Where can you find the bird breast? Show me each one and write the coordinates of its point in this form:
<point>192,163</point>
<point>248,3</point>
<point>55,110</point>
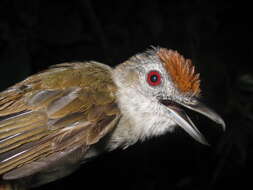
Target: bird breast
<point>142,117</point>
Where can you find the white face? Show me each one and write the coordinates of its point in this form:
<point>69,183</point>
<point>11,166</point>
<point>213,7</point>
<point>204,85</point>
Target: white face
<point>148,98</point>
<point>153,80</point>
<point>139,98</point>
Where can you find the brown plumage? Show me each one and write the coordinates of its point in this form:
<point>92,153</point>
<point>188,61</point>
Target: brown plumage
<point>56,119</point>
<point>181,71</point>
<point>54,113</point>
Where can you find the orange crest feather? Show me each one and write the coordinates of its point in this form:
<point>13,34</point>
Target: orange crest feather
<point>181,70</point>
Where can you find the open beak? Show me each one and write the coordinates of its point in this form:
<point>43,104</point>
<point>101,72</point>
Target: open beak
<point>182,119</point>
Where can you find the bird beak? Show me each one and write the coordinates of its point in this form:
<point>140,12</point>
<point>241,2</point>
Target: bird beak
<point>182,119</point>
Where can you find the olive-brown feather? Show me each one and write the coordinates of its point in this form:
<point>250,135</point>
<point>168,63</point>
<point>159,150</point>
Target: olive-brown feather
<point>68,106</point>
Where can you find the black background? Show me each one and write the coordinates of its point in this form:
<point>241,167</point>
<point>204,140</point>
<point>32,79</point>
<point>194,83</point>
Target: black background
<point>215,35</point>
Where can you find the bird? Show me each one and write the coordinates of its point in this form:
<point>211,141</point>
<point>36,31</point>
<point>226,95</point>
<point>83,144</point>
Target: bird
<point>56,119</point>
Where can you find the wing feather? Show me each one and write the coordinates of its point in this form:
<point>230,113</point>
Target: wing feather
<point>52,114</point>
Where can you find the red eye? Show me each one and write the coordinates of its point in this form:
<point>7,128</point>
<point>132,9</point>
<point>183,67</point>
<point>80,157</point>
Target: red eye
<point>154,78</point>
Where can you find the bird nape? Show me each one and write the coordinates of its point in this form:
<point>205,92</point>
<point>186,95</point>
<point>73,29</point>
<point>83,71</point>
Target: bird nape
<point>56,119</point>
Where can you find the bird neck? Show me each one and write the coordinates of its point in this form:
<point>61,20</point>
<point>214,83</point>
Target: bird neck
<point>142,117</point>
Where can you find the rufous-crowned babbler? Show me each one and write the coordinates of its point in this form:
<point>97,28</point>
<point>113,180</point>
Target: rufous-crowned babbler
<point>56,119</point>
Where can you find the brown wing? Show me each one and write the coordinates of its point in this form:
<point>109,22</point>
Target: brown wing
<point>54,113</point>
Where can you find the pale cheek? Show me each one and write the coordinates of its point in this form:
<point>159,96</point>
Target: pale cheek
<point>163,125</point>
<point>149,125</point>
<point>146,116</point>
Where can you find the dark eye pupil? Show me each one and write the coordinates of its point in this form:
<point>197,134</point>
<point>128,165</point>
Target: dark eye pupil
<point>153,78</point>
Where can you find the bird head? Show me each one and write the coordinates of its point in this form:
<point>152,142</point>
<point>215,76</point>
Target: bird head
<point>154,89</point>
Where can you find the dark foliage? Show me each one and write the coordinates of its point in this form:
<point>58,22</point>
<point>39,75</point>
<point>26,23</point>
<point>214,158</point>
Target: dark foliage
<point>215,35</point>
